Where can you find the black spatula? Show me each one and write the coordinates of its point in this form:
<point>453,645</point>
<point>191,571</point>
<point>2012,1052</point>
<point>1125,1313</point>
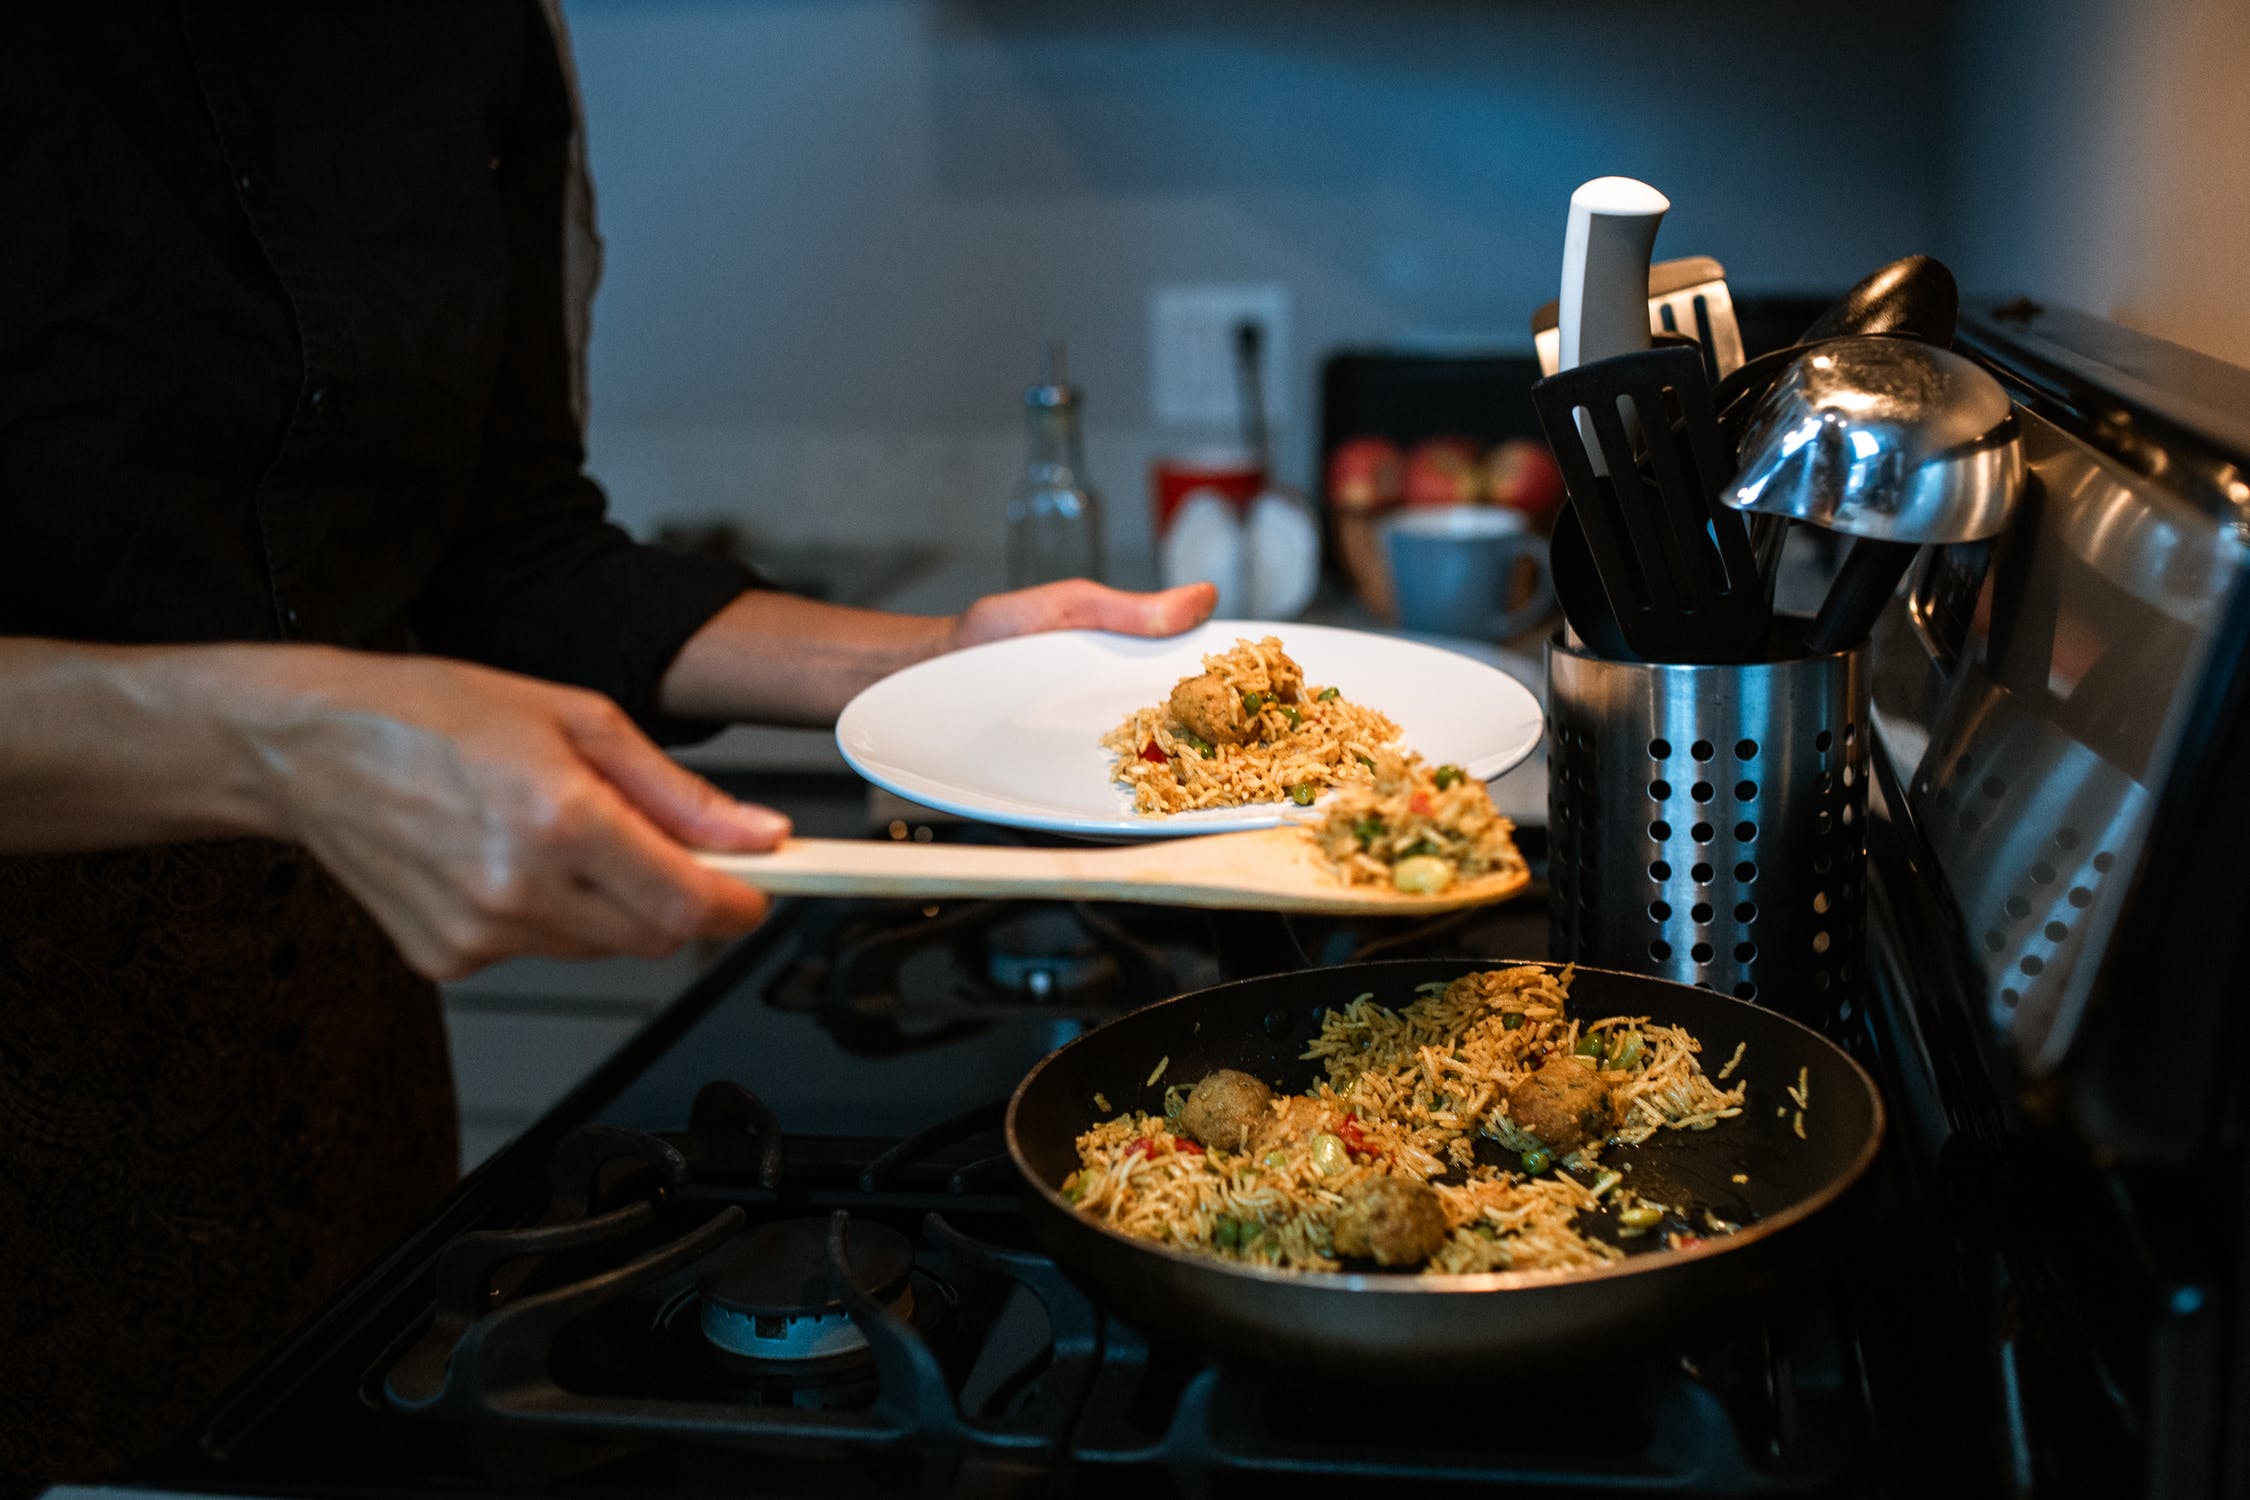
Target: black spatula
<point>1676,564</point>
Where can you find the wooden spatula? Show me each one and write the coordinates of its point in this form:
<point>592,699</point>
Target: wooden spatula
<point>1272,869</point>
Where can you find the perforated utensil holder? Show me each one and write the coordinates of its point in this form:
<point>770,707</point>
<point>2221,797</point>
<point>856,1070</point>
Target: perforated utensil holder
<point>1708,824</point>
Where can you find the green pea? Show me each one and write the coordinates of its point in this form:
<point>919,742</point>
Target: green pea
<point>1538,1161</point>
<point>1202,746</point>
<point>1275,1158</point>
<point>1295,718</point>
<point>1590,1045</point>
<point>1445,776</point>
<point>1226,1233</point>
<point>1250,1230</point>
<point>1329,1154</point>
<point>1367,831</point>
<point>1303,793</point>
<point>1511,1020</point>
<point>1417,848</point>
<point>1251,703</point>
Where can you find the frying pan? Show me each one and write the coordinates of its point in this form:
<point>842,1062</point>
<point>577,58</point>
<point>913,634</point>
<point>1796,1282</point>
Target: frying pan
<point>1414,1329</point>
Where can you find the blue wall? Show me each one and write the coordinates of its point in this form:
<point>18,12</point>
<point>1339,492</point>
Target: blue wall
<point>865,215</point>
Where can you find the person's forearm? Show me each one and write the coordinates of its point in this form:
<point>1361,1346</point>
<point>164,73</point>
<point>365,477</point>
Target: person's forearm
<point>777,659</point>
<point>105,746</point>
<point>782,660</point>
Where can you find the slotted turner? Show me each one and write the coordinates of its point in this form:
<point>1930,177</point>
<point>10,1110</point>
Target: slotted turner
<point>1677,565</point>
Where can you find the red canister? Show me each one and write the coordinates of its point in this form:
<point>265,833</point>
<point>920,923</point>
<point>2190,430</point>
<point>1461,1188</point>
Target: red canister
<point>1230,472</point>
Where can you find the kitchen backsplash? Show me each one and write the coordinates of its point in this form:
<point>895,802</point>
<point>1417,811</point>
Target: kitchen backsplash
<point>839,233</point>
<point>832,484</point>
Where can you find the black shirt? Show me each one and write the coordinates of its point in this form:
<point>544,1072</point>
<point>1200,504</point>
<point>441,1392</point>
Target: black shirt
<point>282,341</point>
<point>282,357</point>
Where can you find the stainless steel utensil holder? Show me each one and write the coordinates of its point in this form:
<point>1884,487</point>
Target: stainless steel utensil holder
<point>1708,823</point>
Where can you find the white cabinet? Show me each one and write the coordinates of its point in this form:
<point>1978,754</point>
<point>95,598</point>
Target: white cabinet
<point>523,1033</point>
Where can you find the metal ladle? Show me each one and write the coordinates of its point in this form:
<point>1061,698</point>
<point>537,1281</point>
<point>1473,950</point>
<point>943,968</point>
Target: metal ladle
<point>1889,440</point>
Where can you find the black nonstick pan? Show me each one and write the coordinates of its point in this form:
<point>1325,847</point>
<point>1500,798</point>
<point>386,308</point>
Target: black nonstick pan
<point>1405,1327</point>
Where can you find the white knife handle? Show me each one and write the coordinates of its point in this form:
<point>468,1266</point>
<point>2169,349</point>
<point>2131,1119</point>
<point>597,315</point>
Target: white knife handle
<point>1606,251</point>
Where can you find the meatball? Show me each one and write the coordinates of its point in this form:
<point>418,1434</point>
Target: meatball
<point>1396,1221</point>
<point>1229,1110</point>
<point>1565,1104</point>
<point>1207,707</point>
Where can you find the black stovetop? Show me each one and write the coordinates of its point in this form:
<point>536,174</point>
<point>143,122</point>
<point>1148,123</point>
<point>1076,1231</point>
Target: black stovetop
<point>834,1086</point>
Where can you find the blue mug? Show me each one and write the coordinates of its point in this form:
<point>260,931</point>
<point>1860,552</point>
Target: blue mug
<point>1453,570</point>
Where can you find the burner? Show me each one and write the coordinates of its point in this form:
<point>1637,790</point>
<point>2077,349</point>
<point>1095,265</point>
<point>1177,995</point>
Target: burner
<point>673,1341</point>
<point>767,1297</point>
<point>891,977</point>
<point>1045,953</point>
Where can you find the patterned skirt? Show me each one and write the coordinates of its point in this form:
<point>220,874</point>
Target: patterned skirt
<point>221,1093</point>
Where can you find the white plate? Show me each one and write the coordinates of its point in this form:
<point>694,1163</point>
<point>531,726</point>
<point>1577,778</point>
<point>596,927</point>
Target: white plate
<point>1011,732</point>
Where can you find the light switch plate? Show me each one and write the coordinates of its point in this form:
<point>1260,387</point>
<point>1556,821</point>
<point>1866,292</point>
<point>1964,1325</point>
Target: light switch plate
<point>1191,350</point>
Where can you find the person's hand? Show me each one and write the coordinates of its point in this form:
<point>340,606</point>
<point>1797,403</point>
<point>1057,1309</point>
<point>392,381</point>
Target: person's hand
<point>1082,604</point>
<point>480,815</point>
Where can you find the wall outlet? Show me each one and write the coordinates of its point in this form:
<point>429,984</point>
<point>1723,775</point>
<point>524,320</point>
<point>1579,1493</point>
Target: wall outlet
<point>1192,379</point>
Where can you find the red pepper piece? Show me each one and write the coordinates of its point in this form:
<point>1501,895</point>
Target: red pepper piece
<point>1420,803</point>
<point>1150,752</point>
<point>1354,1139</point>
<point>1142,1147</point>
<point>1187,1147</point>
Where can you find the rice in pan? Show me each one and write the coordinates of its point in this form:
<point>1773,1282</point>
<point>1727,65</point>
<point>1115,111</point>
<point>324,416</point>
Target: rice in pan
<point>1247,729</point>
<point>1460,1133</point>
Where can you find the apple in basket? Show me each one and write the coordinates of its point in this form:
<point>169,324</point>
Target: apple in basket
<point>1364,474</point>
<point>1444,471</point>
<point>1521,474</point>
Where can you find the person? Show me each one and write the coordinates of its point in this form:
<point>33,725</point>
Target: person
<point>322,675</point>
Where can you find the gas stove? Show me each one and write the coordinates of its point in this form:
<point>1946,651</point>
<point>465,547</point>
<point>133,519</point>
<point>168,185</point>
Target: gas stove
<point>773,1246</point>
<point>717,1269</point>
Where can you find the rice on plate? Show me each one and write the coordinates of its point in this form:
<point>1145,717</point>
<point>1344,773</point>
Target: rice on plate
<point>1247,729</point>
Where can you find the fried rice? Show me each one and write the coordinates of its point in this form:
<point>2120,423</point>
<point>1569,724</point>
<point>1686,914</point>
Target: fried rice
<point>1419,1092</point>
<point>1298,740</point>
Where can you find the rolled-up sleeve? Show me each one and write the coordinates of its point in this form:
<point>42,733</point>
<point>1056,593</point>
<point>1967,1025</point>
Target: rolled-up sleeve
<point>537,580</point>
